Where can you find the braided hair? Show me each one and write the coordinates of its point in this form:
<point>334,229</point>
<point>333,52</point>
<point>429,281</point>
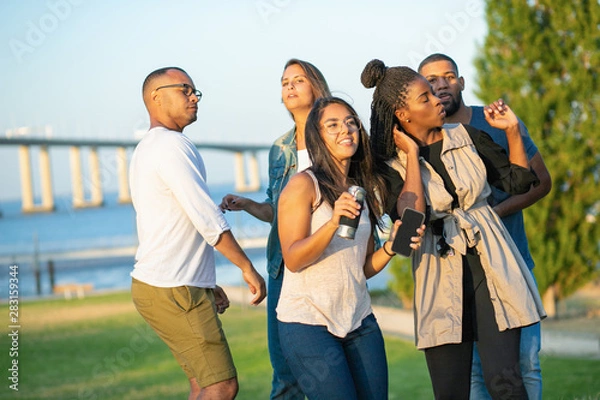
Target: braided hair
<point>391,88</point>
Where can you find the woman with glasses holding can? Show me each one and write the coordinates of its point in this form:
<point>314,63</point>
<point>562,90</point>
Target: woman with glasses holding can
<point>301,84</point>
<point>328,333</point>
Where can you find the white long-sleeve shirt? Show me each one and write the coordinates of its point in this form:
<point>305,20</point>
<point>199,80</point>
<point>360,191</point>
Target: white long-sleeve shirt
<point>177,221</point>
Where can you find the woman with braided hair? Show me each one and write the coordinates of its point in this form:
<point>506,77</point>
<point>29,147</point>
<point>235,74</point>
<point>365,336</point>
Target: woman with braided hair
<point>471,282</point>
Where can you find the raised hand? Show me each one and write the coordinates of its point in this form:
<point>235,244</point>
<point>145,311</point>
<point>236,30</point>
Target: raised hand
<point>499,115</point>
<point>403,141</point>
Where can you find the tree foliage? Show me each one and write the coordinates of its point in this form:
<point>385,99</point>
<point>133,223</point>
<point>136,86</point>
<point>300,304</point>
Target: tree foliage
<point>402,284</point>
<point>543,58</point>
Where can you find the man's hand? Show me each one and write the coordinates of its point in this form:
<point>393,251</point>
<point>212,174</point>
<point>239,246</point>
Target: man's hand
<point>499,115</point>
<point>230,248</point>
<point>256,284</point>
<point>221,299</point>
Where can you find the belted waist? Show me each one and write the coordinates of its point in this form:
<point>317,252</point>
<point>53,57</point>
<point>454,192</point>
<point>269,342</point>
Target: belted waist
<point>458,229</point>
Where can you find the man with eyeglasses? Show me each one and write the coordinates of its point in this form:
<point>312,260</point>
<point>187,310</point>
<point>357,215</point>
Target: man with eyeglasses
<point>173,280</point>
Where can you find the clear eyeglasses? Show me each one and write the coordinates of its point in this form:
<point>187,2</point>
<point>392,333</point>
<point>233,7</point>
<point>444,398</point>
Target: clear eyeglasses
<point>188,90</point>
<point>334,126</point>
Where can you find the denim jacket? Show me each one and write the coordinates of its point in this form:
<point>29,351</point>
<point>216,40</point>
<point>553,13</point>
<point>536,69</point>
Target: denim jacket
<point>283,163</point>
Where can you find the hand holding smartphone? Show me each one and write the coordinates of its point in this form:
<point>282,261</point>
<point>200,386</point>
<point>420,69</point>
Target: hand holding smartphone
<point>411,221</point>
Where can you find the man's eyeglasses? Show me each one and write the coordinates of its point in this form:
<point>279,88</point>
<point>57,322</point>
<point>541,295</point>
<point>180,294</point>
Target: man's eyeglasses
<point>334,127</point>
<point>188,90</point>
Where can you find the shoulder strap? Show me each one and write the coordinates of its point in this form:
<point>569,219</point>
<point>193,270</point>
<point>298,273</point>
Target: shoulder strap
<point>317,190</point>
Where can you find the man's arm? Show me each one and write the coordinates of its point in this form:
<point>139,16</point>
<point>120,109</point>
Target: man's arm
<point>521,201</point>
<point>230,248</point>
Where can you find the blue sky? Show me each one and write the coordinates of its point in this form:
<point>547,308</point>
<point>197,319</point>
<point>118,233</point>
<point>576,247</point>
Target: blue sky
<point>75,67</point>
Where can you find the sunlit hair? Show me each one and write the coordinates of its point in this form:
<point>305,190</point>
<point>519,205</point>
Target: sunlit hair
<point>148,85</point>
<point>391,88</point>
<point>316,79</point>
<point>438,57</point>
<point>327,171</point>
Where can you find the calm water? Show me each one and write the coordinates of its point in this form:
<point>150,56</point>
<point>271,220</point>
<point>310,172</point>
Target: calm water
<point>109,227</point>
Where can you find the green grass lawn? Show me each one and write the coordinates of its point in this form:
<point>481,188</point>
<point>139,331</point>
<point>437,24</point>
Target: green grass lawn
<point>100,348</point>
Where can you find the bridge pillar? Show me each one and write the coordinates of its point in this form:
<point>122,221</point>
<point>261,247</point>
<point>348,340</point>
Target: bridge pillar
<point>28,205</point>
<point>96,179</point>
<point>88,191</point>
<point>76,178</point>
<point>26,183</point>
<point>46,177</point>
<point>241,185</point>
<point>254,172</point>
<point>122,171</point>
<point>79,200</point>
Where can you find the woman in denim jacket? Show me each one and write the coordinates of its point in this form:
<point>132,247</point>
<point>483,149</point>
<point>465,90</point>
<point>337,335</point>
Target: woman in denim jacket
<point>301,84</point>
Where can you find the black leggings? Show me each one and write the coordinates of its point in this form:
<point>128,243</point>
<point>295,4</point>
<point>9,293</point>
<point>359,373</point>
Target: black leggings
<point>450,364</point>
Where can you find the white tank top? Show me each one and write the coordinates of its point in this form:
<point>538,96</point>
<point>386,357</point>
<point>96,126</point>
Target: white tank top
<point>331,292</point>
<point>303,160</point>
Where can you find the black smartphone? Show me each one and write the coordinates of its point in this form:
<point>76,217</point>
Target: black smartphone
<point>411,221</point>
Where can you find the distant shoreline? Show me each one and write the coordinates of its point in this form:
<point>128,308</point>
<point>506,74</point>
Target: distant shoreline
<point>109,252</point>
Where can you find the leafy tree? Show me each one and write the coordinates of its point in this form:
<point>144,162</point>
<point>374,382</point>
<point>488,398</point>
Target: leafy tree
<point>402,284</point>
<point>543,58</point>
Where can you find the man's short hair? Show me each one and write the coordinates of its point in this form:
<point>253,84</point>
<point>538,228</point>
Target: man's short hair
<point>438,57</point>
<point>155,75</point>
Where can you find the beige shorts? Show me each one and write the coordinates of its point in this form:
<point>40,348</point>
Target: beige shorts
<point>185,318</point>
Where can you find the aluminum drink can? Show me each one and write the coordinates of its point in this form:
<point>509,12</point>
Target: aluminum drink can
<point>347,228</point>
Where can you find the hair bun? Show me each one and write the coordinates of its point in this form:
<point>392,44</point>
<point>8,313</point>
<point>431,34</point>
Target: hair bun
<point>373,73</point>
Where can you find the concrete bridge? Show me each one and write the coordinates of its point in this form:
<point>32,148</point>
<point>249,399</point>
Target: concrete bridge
<point>247,177</point>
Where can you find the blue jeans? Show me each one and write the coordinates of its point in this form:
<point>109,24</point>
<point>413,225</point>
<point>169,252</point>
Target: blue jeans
<point>329,367</point>
<point>529,361</point>
<point>284,385</point>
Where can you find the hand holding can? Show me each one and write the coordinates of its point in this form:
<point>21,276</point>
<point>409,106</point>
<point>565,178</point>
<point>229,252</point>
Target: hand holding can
<point>348,226</point>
